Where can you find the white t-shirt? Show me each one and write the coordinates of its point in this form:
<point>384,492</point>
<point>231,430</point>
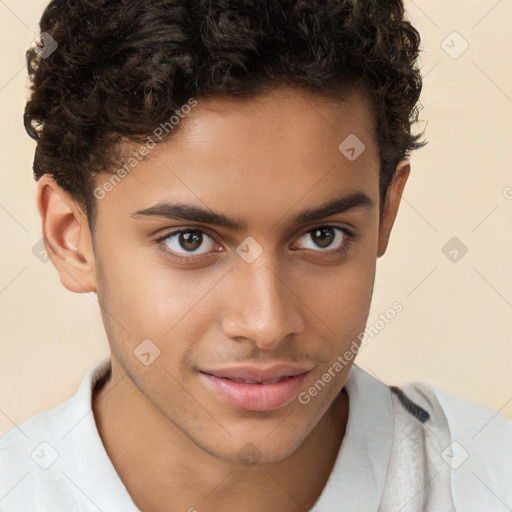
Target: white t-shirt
<point>408,449</point>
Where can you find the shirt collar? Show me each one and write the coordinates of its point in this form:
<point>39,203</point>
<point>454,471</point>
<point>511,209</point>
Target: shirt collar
<point>357,479</point>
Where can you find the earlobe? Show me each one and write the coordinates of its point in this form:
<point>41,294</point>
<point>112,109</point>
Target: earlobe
<point>66,236</point>
<point>392,202</point>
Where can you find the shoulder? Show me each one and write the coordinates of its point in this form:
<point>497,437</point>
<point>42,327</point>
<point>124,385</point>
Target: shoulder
<point>467,421</point>
<point>28,453</point>
<point>465,443</point>
<point>39,458</point>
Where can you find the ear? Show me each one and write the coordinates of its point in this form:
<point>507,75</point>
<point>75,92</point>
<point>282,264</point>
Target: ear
<point>391,204</point>
<point>67,237</point>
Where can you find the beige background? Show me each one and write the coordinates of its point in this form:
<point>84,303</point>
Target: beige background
<point>455,331</point>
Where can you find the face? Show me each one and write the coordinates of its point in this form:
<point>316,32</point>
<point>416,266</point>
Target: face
<point>199,312</point>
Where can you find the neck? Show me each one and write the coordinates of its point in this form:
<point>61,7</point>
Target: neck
<point>160,465</point>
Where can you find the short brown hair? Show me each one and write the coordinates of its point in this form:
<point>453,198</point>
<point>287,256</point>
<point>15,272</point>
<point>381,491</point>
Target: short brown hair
<point>122,67</point>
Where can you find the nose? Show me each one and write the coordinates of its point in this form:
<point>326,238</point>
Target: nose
<point>263,306</point>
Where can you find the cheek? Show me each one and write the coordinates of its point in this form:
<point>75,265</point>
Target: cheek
<point>151,299</point>
<point>341,295</point>
<point>156,300</point>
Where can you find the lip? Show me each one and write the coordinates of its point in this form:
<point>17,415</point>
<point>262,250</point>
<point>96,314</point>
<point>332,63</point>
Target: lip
<point>250,372</point>
<point>256,396</point>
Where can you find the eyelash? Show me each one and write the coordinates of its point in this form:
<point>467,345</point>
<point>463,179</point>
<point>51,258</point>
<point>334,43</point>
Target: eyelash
<point>349,238</point>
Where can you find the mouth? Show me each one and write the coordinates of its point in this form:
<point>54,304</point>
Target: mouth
<point>254,389</point>
<point>249,381</point>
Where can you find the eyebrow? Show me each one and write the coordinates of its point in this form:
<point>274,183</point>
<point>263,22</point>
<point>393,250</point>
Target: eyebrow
<point>188,212</point>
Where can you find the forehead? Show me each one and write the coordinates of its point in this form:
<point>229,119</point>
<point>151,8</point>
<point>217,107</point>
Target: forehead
<point>282,118</point>
<point>259,155</point>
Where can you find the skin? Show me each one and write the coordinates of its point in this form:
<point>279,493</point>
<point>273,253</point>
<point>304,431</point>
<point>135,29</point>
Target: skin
<point>175,444</point>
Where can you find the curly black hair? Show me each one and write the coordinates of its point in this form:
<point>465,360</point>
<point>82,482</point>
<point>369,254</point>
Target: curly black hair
<point>123,67</point>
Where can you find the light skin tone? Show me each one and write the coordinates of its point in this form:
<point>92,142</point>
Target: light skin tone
<point>174,442</point>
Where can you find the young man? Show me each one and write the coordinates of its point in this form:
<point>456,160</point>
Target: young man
<point>224,176</point>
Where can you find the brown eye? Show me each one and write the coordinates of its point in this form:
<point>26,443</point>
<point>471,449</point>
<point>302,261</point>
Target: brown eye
<point>188,242</point>
<point>326,237</point>
<point>323,236</point>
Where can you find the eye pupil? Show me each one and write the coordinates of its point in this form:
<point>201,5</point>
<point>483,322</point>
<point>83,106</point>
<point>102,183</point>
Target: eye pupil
<point>323,236</point>
<point>190,240</point>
